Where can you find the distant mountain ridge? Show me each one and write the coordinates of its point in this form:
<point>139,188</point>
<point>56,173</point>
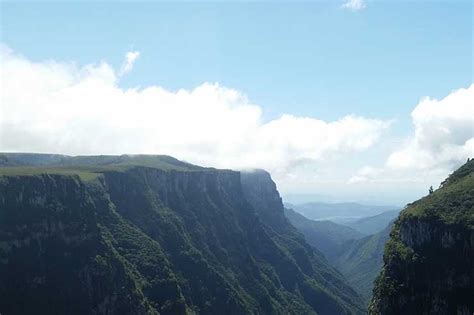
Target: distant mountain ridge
<point>373,224</point>
<point>337,212</point>
<point>326,236</point>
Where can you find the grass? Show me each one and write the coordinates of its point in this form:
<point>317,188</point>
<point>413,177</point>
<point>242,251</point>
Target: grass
<point>90,167</point>
<point>84,174</point>
<point>87,167</point>
<point>452,203</point>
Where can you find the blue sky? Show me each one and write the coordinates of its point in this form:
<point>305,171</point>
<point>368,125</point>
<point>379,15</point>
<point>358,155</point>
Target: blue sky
<point>311,59</point>
<point>306,58</point>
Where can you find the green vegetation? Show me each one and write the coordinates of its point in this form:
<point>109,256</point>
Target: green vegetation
<point>453,202</point>
<point>124,236</point>
<point>429,259</point>
<point>361,261</point>
<point>83,173</point>
<point>357,257</point>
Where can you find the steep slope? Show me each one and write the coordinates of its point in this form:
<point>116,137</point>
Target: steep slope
<point>429,259</point>
<point>325,236</point>
<point>175,240</point>
<point>360,261</point>
<point>373,224</point>
<point>322,282</point>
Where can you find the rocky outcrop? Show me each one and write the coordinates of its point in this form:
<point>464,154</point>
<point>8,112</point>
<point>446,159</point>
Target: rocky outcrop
<point>429,259</point>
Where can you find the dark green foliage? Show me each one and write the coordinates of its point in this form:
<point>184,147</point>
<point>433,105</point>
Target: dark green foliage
<point>176,239</point>
<point>429,259</point>
<point>53,258</point>
<point>361,261</point>
<point>357,257</point>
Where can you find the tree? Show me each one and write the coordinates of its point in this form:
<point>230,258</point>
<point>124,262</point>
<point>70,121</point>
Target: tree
<point>431,190</point>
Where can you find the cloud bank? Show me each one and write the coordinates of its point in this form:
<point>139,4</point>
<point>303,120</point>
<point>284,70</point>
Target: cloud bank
<point>63,108</point>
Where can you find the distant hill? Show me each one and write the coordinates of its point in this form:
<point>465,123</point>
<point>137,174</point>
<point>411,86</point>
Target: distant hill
<point>326,236</point>
<point>338,212</point>
<point>373,224</point>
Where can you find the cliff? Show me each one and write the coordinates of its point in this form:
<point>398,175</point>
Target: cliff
<point>429,258</point>
<point>154,235</point>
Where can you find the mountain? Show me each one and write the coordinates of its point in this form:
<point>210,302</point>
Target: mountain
<point>429,259</point>
<point>151,234</point>
<point>325,236</point>
<point>373,224</point>
<point>360,261</point>
<point>337,212</point>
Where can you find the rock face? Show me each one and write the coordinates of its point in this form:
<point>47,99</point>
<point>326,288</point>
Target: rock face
<point>178,239</point>
<point>53,255</point>
<point>429,259</point>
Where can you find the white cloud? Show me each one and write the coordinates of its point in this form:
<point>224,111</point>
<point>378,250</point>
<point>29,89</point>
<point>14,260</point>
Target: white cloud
<point>354,5</point>
<point>442,141</point>
<point>57,107</point>
<point>130,58</point>
<point>444,133</point>
<point>365,174</point>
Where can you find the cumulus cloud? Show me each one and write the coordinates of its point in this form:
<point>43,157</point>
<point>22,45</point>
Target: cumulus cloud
<point>443,139</point>
<point>354,5</point>
<point>365,174</point>
<point>444,133</point>
<point>62,108</point>
<point>130,58</point>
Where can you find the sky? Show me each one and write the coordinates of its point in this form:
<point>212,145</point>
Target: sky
<point>368,101</point>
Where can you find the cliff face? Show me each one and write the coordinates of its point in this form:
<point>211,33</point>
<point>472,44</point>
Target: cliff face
<point>141,240</point>
<point>429,259</point>
<point>320,284</point>
<point>53,255</point>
